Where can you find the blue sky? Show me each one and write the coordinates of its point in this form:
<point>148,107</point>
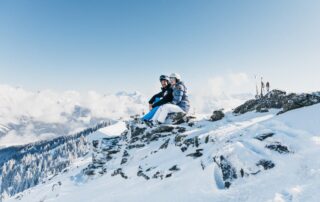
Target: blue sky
<point>115,45</point>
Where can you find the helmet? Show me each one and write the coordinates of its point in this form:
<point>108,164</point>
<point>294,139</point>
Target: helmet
<point>175,75</point>
<point>164,77</point>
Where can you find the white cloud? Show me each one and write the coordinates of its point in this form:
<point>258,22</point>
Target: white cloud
<point>222,91</point>
<point>233,83</point>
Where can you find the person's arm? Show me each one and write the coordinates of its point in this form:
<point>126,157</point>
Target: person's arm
<point>166,99</point>
<point>177,95</point>
<point>159,95</point>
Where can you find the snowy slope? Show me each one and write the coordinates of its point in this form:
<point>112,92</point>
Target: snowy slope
<point>250,157</point>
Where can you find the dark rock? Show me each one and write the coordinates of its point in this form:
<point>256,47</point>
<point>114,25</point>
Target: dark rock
<point>217,115</point>
<point>178,118</point>
<point>179,139</point>
<point>296,101</point>
<point>188,142</point>
<point>163,129</point>
<point>169,175</point>
<point>119,172</point>
<point>184,148</point>
<point>135,146</point>
<point>157,175</point>
<point>278,148</point>
<point>264,136</point>
<point>174,168</point>
<point>140,173</point>
<point>262,110</point>
<point>125,153</point>
<point>151,168</point>
<point>241,172</point>
<point>165,144</point>
<point>88,171</point>
<point>278,99</point>
<point>110,143</point>
<point>206,139</point>
<point>196,141</point>
<point>124,157</point>
<point>266,164</point>
<point>196,154</point>
<point>228,171</point>
<point>181,129</point>
<point>95,143</point>
<point>136,131</point>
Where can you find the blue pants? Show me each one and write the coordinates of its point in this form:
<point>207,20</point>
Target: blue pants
<point>151,113</point>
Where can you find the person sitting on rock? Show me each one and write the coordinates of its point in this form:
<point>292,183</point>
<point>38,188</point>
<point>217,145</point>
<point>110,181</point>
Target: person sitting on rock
<point>180,102</point>
<point>161,98</point>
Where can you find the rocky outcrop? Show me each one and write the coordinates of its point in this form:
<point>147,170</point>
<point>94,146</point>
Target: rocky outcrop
<point>217,115</point>
<point>228,171</point>
<point>277,99</point>
<point>278,147</point>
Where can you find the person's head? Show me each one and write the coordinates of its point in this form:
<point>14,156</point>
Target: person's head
<point>175,78</point>
<point>164,80</point>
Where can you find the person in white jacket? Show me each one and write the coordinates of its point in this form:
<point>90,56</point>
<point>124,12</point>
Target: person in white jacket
<point>179,104</point>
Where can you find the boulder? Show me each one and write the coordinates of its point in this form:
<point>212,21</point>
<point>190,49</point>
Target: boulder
<point>217,115</point>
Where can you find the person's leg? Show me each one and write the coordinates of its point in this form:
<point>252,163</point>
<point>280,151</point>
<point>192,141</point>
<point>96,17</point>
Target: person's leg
<point>151,113</point>
<point>165,110</point>
<point>156,115</point>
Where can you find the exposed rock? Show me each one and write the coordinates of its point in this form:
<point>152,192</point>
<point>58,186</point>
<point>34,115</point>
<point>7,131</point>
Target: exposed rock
<point>266,164</point>
<point>178,118</point>
<point>165,144</point>
<point>135,146</point>
<point>174,168</point>
<point>119,172</point>
<point>95,143</point>
<point>264,136</point>
<point>278,99</point>
<point>189,141</point>
<point>278,147</point>
<point>262,110</point>
<point>207,139</point>
<point>88,171</point>
<point>163,129</point>
<point>124,157</point>
<point>151,168</point>
<point>295,101</point>
<point>136,131</point>
<point>140,173</point>
<point>169,175</point>
<point>217,115</point>
<point>196,154</point>
<point>158,175</point>
<point>179,139</point>
<point>184,148</point>
<point>180,129</point>
<point>228,171</point>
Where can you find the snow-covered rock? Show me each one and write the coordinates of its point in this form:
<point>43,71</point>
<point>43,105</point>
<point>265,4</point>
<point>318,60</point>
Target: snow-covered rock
<point>279,100</point>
